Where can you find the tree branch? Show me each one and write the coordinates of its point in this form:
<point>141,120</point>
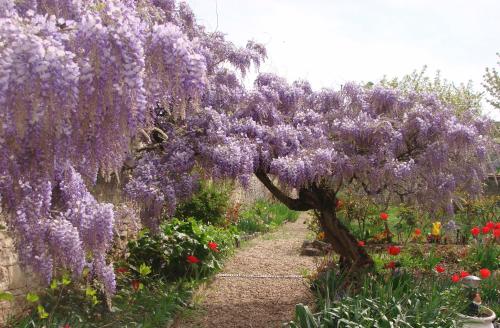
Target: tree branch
<point>291,203</point>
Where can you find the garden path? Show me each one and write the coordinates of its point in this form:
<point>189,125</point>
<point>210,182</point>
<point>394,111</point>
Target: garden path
<point>246,301</point>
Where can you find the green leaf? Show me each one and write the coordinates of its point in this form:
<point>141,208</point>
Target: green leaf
<point>41,312</point>
<point>89,291</point>
<point>53,284</point>
<point>65,280</point>
<point>32,298</point>
<point>144,269</point>
<point>6,296</point>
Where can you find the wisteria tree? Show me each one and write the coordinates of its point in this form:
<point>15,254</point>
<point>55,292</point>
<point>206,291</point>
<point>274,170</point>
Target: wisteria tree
<point>78,80</point>
<point>387,143</point>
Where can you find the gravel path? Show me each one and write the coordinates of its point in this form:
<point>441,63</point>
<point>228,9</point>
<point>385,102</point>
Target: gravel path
<point>234,302</point>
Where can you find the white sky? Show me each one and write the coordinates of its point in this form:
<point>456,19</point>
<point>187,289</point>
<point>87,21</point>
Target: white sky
<point>331,42</point>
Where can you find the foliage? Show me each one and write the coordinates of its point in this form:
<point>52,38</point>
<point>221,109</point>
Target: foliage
<point>152,306</point>
<point>483,256</point>
<point>208,205</point>
<point>166,252</point>
<point>470,212</point>
<point>492,85</point>
<point>384,301</point>
<point>264,216</point>
<point>461,97</point>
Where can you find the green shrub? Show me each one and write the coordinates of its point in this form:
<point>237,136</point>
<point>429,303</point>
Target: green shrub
<point>167,252</point>
<point>264,216</point>
<point>208,205</point>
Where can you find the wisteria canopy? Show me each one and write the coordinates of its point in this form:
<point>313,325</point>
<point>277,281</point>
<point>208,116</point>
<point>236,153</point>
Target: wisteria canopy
<point>79,79</point>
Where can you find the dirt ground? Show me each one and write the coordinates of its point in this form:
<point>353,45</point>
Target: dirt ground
<point>249,301</point>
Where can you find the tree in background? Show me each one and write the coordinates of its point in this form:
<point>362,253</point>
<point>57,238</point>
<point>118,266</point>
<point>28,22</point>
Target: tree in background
<point>492,85</point>
<point>461,97</point>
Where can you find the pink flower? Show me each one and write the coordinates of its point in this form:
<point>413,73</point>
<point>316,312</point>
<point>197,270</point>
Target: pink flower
<point>193,259</point>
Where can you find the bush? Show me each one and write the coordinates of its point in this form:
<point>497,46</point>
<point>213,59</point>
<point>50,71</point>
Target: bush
<point>167,252</point>
<point>264,216</point>
<point>208,205</point>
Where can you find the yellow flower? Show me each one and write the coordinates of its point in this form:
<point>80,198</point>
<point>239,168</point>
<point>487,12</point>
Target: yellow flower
<point>436,228</point>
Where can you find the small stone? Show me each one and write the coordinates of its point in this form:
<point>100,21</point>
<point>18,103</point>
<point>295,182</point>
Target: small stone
<point>311,251</point>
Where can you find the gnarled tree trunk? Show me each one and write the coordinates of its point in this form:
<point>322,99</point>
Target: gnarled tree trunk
<point>323,200</point>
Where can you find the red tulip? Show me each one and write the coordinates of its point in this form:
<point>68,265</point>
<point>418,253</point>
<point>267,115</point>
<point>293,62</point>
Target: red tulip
<point>393,250</point>
<point>440,269</point>
<point>464,274</point>
<point>474,231</point>
<point>384,216</point>
<point>121,270</point>
<point>496,233</point>
<point>455,278</point>
<point>136,284</point>
<point>361,243</point>
<point>193,259</point>
<point>485,273</point>
<point>485,230</point>
<point>67,325</point>
<point>490,225</point>
<point>497,226</point>
<point>418,232</point>
<point>213,246</point>
<point>390,265</point>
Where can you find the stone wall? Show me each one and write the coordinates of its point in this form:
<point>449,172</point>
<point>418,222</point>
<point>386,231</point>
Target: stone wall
<point>13,279</point>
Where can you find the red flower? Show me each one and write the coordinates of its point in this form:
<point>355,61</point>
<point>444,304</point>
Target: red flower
<point>67,325</point>
<point>384,216</point>
<point>391,265</point>
<point>439,269</point>
<point>474,231</point>
<point>485,230</point>
<point>455,278</point>
<point>361,243</point>
<point>213,246</point>
<point>490,225</point>
<point>497,226</point>
<point>464,274</point>
<point>136,284</point>
<point>193,259</point>
<point>418,232</point>
<point>393,250</point>
<point>496,233</point>
<point>485,273</point>
<point>121,270</point>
